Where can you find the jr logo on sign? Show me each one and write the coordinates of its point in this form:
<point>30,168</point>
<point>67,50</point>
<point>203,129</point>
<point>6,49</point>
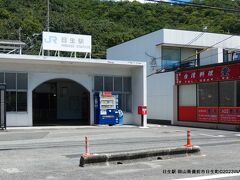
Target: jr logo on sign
<point>51,39</point>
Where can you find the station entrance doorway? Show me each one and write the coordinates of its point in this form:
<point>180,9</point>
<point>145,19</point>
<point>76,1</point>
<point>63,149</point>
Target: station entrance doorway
<point>61,102</point>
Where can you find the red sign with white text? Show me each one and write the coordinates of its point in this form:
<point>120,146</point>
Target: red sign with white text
<point>107,93</point>
<point>207,75</point>
<point>217,73</point>
<point>228,72</point>
<point>186,77</point>
<point>207,114</point>
<point>229,115</point>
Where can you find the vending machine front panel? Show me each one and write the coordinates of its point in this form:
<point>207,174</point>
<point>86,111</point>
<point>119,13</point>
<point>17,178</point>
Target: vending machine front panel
<point>107,110</point>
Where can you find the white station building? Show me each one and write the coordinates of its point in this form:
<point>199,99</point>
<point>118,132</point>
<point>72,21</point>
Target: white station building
<point>165,51</point>
<point>53,90</point>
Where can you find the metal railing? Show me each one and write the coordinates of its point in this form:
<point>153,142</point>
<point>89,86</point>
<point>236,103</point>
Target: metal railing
<point>171,65</point>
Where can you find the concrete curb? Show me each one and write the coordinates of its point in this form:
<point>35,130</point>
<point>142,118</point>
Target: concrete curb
<point>14,129</point>
<point>101,158</point>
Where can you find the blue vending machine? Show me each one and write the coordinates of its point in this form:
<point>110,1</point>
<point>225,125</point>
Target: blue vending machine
<point>106,108</point>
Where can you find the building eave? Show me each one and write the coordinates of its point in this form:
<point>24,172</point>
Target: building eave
<point>34,59</point>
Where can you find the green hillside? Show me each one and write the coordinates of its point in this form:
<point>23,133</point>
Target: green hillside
<point>110,23</point>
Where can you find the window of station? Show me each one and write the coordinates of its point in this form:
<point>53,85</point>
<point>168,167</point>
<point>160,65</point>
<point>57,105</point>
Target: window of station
<point>108,83</point>
<point>16,91</point>
<point>225,55</point>
<point>119,85</point>
<point>187,95</point>
<point>208,94</point>
<point>227,93</point>
<point>127,84</point>
<point>188,54</point>
<point>236,56</point>
<point>187,103</point>
<point>171,56</point>
<point>98,83</point>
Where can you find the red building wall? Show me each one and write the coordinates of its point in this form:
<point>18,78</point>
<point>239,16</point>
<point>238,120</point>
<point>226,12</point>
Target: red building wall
<point>215,73</point>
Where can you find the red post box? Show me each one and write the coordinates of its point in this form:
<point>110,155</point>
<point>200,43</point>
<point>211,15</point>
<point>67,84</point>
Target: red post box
<point>142,110</point>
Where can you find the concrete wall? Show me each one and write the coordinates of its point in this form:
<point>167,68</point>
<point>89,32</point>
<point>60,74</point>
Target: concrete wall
<point>160,96</point>
<point>139,87</point>
<point>37,74</point>
<point>139,49</point>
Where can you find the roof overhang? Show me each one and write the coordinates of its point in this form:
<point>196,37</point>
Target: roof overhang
<point>182,45</point>
<point>52,60</point>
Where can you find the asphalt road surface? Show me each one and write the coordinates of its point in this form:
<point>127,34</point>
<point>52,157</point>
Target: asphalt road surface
<point>30,153</point>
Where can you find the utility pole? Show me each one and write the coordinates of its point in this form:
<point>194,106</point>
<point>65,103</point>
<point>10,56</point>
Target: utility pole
<point>48,52</point>
<point>19,33</point>
<point>48,15</point>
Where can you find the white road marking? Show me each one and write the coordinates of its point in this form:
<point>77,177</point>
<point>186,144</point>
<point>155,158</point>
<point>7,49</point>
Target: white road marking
<point>180,131</point>
<point>209,135</point>
<point>237,134</point>
<point>123,171</point>
<point>11,170</point>
<point>51,177</point>
<point>217,176</point>
<point>154,125</point>
<point>152,164</point>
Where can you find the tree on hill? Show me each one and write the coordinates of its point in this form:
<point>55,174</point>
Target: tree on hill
<point>110,23</point>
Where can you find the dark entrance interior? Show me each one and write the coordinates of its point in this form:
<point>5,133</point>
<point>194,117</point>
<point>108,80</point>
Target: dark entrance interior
<point>61,102</point>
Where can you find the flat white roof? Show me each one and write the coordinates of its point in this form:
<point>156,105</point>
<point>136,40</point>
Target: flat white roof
<point>34,59</point>
<point>185,38</point>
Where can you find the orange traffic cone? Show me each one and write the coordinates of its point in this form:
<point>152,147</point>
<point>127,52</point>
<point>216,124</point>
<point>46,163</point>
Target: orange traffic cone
<point>189,142</point>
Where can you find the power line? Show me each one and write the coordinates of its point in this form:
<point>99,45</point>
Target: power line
<point>183,3</point>
<point>196,38</point>
<point>161,57</point>
<point>163,70</point>
<point>206,57</point>
<point>208,47</point>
